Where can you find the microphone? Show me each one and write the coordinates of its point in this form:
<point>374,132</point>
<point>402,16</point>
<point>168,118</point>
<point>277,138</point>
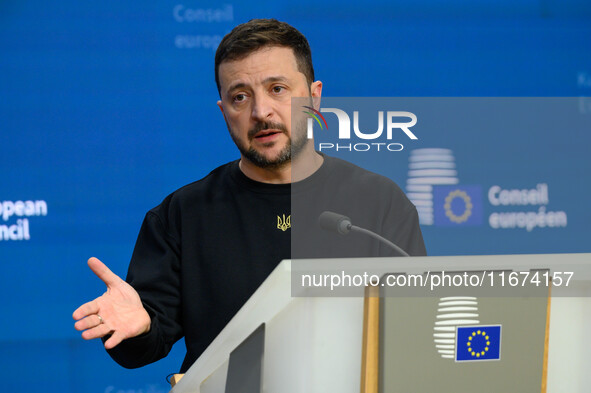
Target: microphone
<point>335,222</point>
<point>341,224</point>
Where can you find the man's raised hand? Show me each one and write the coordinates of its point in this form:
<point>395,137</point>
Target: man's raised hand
<point>119,311</point>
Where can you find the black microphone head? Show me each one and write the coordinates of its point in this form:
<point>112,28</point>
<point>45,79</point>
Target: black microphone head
<point>334,222</point>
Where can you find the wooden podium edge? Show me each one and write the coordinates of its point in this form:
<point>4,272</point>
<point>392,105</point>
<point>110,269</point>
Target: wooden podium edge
<point>546,342</point>
<point>175,379</point>
<point>370,342</point>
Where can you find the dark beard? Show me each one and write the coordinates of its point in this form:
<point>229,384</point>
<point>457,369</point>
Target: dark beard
<point>291,149</point>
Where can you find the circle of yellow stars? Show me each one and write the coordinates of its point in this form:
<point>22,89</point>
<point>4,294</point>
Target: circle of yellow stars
<point>478,353</point>
<point>467,203</point>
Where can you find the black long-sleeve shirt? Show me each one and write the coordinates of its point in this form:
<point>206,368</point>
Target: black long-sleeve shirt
<point>208,246</point>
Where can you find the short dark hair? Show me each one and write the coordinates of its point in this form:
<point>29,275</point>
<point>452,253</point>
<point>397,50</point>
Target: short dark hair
<point>259,33</point>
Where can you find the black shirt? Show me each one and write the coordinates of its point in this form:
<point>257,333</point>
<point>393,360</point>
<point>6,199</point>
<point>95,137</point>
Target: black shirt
<point>208,246</point>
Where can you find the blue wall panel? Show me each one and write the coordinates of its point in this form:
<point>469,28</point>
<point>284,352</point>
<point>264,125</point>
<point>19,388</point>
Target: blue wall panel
<point>107,107</point>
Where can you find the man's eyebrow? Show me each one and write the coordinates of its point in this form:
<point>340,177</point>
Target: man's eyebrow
<point>238,85</point>
<point>272,79</point>
<point>267,80</point>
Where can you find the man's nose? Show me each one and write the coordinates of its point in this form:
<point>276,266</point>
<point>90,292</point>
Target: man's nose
<point>262,108</point>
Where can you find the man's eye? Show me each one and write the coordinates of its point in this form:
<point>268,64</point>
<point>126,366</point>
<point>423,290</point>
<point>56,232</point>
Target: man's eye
<point>278,89</point>
<point>239,97</point>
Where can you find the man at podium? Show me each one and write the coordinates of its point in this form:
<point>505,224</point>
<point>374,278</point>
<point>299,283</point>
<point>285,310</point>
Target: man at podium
<point>208,246</point>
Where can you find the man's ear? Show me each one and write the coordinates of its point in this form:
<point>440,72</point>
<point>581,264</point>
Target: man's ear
<point>316,93</point>
<point>220,106</point>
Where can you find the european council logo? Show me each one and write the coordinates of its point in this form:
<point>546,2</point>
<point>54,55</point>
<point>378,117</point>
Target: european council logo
<point>457,205</point>
<point>477,343</point>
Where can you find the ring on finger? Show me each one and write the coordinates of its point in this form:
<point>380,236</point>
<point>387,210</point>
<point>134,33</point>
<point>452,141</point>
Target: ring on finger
<point>100,319</point>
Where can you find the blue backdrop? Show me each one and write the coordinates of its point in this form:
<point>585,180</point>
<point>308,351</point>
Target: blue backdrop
<point>107,107</point>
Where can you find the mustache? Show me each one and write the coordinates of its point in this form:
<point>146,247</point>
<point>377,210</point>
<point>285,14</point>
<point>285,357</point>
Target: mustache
<point>266,125</point>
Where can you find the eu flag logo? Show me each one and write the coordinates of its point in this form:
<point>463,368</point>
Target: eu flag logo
<point>457,205</point>
<point>476,343</point>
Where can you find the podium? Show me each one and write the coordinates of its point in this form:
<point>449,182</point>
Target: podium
<point>317,339</point>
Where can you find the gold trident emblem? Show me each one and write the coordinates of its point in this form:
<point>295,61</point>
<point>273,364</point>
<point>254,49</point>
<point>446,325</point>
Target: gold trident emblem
<point>284,224</point>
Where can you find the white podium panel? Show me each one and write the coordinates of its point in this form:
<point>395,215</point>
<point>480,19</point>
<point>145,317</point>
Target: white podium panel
<point>314,344</point>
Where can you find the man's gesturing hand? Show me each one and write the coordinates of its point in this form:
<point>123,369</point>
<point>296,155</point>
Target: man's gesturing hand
<point>118,312</point>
